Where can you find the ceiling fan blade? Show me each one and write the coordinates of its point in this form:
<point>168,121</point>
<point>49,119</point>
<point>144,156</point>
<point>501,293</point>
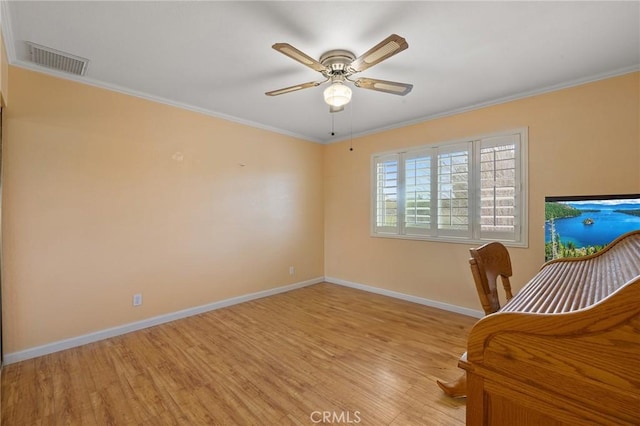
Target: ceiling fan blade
<point>381,51</point>
<point>293,88</point>
<point>384,86</point>
<point>303,58</point>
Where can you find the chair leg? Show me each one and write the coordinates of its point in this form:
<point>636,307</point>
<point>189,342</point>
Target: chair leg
<point>455,389</point>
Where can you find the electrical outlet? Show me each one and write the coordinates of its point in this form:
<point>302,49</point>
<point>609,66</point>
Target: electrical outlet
<point>137,299</point>
<point>292,270</point>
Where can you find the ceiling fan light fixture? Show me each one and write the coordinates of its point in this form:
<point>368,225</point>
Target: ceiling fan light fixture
<point>337,94</point>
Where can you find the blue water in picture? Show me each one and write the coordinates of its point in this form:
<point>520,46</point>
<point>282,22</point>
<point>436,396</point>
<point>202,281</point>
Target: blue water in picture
<point>607,224</point>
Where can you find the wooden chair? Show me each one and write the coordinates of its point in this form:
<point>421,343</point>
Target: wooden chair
<point>488,262</point>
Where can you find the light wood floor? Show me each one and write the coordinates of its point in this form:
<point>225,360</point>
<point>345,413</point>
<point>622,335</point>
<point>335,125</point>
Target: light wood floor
<point>369,359</point>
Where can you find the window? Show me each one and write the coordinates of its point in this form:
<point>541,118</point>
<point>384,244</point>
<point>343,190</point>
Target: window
<point>466,191</point>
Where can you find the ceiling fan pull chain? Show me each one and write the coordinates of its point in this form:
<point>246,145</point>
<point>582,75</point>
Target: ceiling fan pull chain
<point>333,132</point>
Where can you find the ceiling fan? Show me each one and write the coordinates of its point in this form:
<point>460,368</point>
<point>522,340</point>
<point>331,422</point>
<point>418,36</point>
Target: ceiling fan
<point>339,65</point>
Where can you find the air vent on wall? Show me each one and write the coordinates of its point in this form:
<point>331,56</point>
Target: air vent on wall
<point>57,60</point>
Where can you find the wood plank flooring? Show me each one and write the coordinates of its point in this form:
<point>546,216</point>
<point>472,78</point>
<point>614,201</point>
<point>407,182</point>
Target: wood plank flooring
<point>323,354</point>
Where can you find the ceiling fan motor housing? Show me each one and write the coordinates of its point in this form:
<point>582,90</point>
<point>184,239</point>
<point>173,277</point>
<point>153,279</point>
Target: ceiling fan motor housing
<point>337,63</point>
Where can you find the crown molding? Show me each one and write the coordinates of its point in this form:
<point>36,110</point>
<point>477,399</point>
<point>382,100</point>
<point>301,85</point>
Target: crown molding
<point>5,27</point>
<point>7,33</point>
<point>158,99</point>
<point>498,101</point>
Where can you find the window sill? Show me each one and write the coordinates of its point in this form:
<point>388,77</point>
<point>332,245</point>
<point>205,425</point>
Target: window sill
<point>508,243</point>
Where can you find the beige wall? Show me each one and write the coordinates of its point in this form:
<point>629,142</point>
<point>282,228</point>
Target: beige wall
<point>108,195</point>
<point>582,140</point>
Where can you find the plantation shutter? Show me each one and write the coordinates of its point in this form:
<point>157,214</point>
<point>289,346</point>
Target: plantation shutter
<point>499,192</point>
<point>417,199</point>
<point>469,190</point>
<point>386,181</point>
<point>453,174</point>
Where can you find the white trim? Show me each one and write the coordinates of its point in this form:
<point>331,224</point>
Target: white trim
<point>95,83</point>
<point>449,239</point>
<point>73,342</point>
<point>115,88</point>
<point>7,33</point>
<point>493,102</point>
<point>13,357</point>
<point>407,297</point>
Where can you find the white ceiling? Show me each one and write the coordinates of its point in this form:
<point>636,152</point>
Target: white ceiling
<point>216,57</point>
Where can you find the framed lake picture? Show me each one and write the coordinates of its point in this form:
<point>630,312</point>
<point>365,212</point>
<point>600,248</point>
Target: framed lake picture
<point>581,225</point>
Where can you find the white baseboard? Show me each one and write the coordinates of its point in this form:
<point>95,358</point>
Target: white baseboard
<point>407,297</point>
<point>13,357</point>
<point>73,342</point>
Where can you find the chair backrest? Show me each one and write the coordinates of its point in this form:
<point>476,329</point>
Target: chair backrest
<point>488,262</point>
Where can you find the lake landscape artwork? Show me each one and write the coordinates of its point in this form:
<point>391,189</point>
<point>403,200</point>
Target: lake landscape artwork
<point>579,226</point>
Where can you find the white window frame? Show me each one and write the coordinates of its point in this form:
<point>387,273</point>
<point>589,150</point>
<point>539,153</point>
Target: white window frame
<point>517,238</point>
